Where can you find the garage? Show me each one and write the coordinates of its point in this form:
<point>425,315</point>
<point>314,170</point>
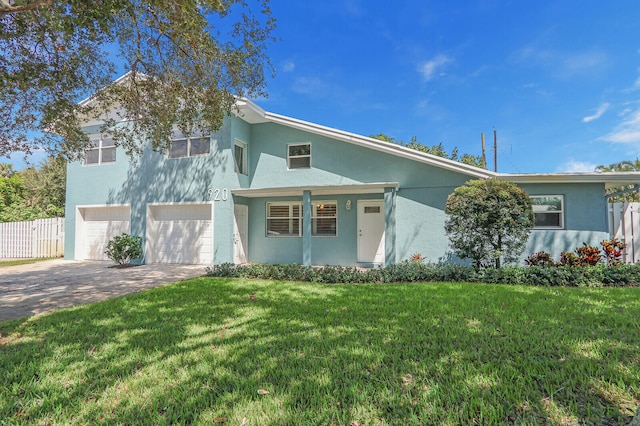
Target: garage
<point>179,233</point>
<point>96,225</point>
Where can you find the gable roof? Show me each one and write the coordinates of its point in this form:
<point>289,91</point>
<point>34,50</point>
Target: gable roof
<point>253,114</point>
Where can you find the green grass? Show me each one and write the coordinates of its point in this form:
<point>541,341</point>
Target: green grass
<point>25,261</point>
<point>204,351</point>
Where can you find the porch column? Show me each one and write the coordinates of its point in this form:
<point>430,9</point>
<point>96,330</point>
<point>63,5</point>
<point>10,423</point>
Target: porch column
<point>306,228</point>
<point>390,226</point>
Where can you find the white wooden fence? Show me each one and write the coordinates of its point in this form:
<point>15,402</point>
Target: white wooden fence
<point>37,238</point>
<point>624,224</point>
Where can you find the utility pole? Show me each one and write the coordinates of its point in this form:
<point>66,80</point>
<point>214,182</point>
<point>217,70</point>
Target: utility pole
<point>495,151</point>
<point>484,154</point>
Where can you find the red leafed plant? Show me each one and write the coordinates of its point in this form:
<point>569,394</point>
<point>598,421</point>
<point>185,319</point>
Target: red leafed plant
<point>588,255</point>
<point>613,251</point>
<point>417,257</point>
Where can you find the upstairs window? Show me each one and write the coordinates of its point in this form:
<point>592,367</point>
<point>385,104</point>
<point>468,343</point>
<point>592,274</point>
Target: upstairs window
<point>240,157</point>
<point>299,156</point>
<point>548,211</point>
<point>103,150</point>
<point>182,146</point>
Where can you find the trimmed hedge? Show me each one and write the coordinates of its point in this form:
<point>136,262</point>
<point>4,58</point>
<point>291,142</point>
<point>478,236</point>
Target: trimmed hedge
<point>412,271</point>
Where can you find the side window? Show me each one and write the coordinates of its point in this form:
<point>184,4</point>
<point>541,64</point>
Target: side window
<point>548,211</point>
<point>103,150</point>
<point>182,146</point>
<point>240,157</point>
<point>299,156</point>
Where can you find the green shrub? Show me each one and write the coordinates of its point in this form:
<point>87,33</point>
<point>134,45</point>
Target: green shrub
<point>600,275</point>
<point>123,248</point>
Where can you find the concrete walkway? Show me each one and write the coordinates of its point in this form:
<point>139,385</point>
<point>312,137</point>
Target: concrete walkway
<point>45,286</point>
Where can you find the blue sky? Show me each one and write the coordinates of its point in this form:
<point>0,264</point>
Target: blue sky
<point>558,80</point>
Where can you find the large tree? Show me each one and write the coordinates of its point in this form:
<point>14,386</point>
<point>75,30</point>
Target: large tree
<point>488,221</point>
<point>188,62</point>
<point>33,193</point>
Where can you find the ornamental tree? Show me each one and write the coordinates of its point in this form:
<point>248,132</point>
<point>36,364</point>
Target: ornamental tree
<point>188,62</point>
<point>488,221</point>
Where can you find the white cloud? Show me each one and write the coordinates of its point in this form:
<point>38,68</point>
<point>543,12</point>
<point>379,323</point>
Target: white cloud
<point>573,166</point>
<point>628,131</point>
<point>563,64</point>
<point>429,68</point>
<point>288,66</point>
<point>309,86</point>
<point>599,113</point>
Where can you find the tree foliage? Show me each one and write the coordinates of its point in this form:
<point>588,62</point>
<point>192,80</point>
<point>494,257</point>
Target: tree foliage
<point>625,193</point>
<point>33,193</point>
<point>438,150</point>
<point>188,60</point>
<point>488,221</point>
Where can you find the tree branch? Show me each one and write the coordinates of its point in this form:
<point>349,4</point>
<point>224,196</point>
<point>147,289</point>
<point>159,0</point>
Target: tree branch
<point>6,7</point>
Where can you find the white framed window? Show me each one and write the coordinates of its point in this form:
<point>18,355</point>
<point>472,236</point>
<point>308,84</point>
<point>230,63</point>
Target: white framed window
<point>240,157</point>
<point>548,211</point>
<point>324,219</point>
<point>182,146</point>
<point>299,156</point>
<point>284,219</point>
<point>103,150</point>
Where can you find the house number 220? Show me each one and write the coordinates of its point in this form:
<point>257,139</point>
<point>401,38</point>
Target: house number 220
<point>219,194</point>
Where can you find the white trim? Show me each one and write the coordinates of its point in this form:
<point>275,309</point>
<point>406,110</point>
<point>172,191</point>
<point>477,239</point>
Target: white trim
<point>608,178</point>
<point>316,190</point>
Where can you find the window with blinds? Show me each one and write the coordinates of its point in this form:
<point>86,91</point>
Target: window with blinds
<point>284,219</point>
<point>324,220</point>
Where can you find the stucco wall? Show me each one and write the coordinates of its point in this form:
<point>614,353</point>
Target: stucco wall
<point>419,203</point>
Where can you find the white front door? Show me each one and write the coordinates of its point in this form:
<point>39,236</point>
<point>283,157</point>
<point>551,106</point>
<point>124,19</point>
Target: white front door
<point>240,232</point>
<point>371,226</point>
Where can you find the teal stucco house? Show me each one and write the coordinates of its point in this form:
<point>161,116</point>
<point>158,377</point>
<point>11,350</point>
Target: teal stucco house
<point>274,189</point>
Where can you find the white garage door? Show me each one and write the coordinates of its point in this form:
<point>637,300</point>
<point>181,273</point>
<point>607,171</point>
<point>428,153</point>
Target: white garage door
<point>96,226</point>
<point>179,233</point>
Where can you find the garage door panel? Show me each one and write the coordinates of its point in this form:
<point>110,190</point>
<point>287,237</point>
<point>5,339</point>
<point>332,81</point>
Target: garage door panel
<point>180,234</point>
<point>98,226</point>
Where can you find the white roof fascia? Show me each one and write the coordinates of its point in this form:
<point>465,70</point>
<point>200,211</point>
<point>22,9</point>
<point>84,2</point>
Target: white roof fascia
<point>608,178</point>
<point>316,190</point>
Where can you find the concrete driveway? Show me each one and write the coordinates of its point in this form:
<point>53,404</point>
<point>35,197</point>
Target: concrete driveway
<point>40,287</point>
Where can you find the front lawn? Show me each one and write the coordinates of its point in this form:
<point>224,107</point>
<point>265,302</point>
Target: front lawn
<point>250,352</point>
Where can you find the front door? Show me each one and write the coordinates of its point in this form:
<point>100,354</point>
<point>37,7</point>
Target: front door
<point>240,232</point>
<point>371,226</point>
